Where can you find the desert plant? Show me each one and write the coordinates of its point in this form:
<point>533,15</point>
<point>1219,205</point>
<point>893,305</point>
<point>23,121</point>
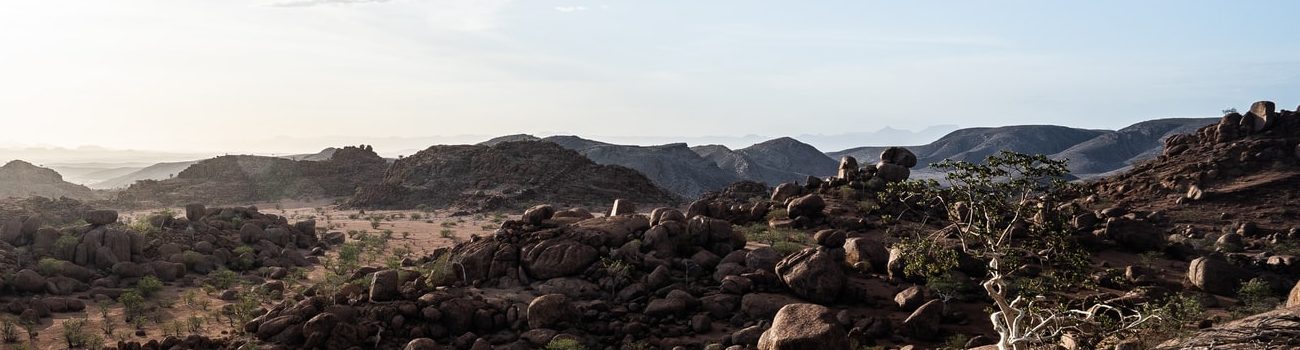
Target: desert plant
<point>49,266</point>
<point>777,214</point>
<point>1006,213</point>
<point>74,333</point>
<point>565,344</point>
<point>66,242</point>
<point>8,330</point>
<point>1255,296</point>
<point>223,279</point>
<point>447,233</point>
<point>440,271</point>
<point>1176,317</point>
<point>148,286</point>
<point>132,304</point>
<point>107,325</point>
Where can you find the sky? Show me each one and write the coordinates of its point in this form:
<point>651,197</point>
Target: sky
<point>299,75</point>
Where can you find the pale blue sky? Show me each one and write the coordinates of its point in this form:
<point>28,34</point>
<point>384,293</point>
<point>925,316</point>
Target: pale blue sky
<point>234,75</point>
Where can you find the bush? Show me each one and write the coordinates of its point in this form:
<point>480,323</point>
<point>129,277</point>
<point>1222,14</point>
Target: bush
<point>1255,296</point>
<point>8,330</point>
<point>778,214</point>
<point>49,266</point>
<point>66,243</point>
<point>149,286</point>
<point>223,278</point>
<point>447,233</point>
<point>565,344</point>
<point>132,304</point>
<point>74,333</point>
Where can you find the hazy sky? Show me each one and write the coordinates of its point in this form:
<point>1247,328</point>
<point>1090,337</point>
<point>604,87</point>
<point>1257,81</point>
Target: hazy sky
<point>235,75</point>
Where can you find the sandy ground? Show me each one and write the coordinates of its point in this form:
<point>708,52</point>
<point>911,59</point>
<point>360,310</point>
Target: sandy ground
<point>419,232</point>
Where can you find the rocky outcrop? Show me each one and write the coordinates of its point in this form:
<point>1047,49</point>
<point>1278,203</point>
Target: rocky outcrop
<point>247,179</point>
<point>804,327</point>
<point>503,175</point>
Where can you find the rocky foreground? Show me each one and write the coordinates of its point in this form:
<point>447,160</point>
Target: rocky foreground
<point>1198,237</point>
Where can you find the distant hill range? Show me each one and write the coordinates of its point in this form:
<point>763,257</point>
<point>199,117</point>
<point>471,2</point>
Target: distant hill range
<point>21,179</point>
<point>685,171</point>
<point>1092,153</point>
<point>505,174</point>
<point>691,171</point>
<point>246,178</point>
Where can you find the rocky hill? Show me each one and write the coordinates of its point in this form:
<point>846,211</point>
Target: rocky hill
<point>1092,153</point>
<point>246,179</point>
<point>672,166</point>
<point>22,179</point>
<point>772,162</point>
<point>1118,150</point>
<point>505,175</point>
<point>1244,161</point>
<point>160,171</point>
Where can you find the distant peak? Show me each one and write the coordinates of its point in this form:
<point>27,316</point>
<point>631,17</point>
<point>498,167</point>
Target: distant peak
<point>19,163</point>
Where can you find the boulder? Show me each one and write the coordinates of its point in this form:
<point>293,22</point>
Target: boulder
<point>195,212</point>
<point>385,285</point>
<point>1293,299</point>
<point>829,238</point>
<point>764,305</point>
<point>127,269</point>
<point>549,311</point>
<point>892,172</point>
<point>804,327</point>
<point>897,156</point>
<point>557,258</point>
<point>27,280</point>
<point>813,274</point>
<point>11,231</point>
<point>859,251</point>
<point>1215,275</point>
<point>422,344</point>
<point>251,233</point>
<point>101,217</point>
<point>909,299</point>
<point>1262,116</point>
<point>762,258</point>
<point>665,307</point>
<point>622,207</point>
<point>923,324</point>
<point>848,168</point>
<point>786,191</point>
<point>809,206</point>
<point>538,213</point>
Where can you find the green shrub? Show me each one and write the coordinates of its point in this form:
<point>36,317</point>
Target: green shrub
<point>149,286</point>
<point>66,243</point>
<point>1255,296</point>
<point>49,266</point>
<point>74,333</point>
<point>565,344</point>
<point>223,279</point>
<point>447,233</point>
<point>778,214</point>
<point>132,304</point>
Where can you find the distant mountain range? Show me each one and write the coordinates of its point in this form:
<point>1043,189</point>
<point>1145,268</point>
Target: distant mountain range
<point>1091,153</point>
<point>691,171</point>
<point>676,167</point>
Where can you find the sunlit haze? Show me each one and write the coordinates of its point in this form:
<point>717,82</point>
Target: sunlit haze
<point>300,75</point>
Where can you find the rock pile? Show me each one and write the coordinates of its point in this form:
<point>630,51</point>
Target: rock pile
<point>103,257</point>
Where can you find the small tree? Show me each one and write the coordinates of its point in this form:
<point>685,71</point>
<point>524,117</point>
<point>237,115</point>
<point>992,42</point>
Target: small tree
<point>1007,212</point>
